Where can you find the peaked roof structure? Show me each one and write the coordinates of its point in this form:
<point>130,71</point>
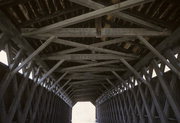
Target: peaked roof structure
<point>83,46</point>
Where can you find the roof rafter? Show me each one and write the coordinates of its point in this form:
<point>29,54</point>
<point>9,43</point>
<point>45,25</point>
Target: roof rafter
<point>94,5</point>
<point>91,15</point>
<point>53,15</point>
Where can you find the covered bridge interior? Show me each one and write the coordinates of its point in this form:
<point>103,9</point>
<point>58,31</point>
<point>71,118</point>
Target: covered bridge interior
<point>122,55</point>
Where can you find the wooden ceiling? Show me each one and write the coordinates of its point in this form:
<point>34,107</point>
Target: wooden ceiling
<point>91,37</point>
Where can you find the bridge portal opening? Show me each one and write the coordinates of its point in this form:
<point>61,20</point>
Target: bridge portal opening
<point>83,112</point>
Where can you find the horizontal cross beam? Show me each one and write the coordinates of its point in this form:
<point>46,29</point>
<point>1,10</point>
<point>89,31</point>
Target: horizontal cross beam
<point>91,65</point>
<point>85,89</point>
<point>86,82</point>
<point>85,94</point>
<point>93,69</point>
<point>88,77</point>
<point>74,57</point>
<point>105,32</point>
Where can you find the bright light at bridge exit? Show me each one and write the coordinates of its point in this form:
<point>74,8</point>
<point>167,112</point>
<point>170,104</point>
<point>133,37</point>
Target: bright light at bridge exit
<point>83,112</point>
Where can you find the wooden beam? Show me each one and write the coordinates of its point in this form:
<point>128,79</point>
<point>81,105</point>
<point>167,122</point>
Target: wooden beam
<point>3,40</point>
<point>67,88</point>
<point>158,54</point>
<point>171,98</point>
<point>89,47</point>
<point>98,77</point>
<point>85,94</point>
<point>8,28</point>
<point>110,83</point>
<point>35,53</point>
<point>87,74</point>
<point>116,74</point>
<point>67,82</point>
<point>91,65</point>
<point>105,32</point>
<point>98,25</point>
<point>91,15</point>
<point>84,61</point>
<point>90,90</point>
<point>121,15</point>
<point>61,88</point>
<point>104,86</point>
<point>50,71</point>
<point>50,16</point>
<point>85,99</point>
<point>10,3</point>
<point>92,93</point>
<point>8,50</point>
<point>56,82</point>
<point>93,69</point>
<point>88,82</point>
<point>74,57</point>
<point>85,89</point>
<point>168,42</point>
<point>99,44</point>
